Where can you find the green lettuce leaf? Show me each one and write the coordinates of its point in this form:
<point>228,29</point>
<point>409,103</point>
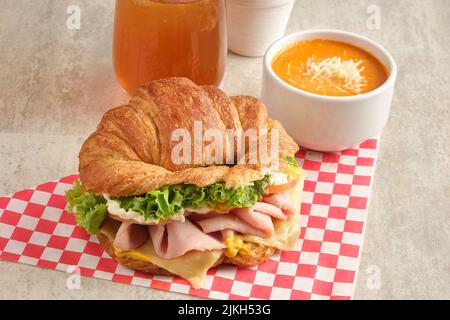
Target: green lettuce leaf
<point>161,204</point>
<point>156,205</point>
<point>291,162</point>
<point>90,210</point>
<point>169,200</point>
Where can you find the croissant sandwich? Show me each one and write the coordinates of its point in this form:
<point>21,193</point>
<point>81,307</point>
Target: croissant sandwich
<point>176,182</point>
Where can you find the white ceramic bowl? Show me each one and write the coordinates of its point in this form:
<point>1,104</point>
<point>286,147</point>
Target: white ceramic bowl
<point>328,123</point>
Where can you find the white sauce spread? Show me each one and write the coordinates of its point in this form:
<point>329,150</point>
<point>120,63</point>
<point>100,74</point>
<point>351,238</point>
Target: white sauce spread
<point>115,209</point>
<point>276,177</point>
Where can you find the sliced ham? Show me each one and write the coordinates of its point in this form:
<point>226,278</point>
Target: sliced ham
<point>130,236</point>
<point>270,210</point>
<point>226,233</point>
<point>228,221</point>
<point>282,201</point>
<point>256,219</point>
<point>203,216</point>
<point>177,238</point>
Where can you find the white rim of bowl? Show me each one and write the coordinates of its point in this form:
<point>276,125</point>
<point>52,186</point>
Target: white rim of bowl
<point>286,40</point>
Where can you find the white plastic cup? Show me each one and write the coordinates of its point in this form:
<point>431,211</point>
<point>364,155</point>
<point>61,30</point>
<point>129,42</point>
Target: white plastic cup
<point>253,25</point>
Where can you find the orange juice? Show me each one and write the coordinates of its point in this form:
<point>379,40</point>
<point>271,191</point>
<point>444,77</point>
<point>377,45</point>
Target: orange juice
<point>155,39</point>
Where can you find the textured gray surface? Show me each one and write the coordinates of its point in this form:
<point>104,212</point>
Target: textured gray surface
<point>56,83</point>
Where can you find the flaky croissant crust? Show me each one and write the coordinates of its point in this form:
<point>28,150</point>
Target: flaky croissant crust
<point>130,152</point>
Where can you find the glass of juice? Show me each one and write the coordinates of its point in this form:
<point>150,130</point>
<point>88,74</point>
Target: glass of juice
<point>154,39</point>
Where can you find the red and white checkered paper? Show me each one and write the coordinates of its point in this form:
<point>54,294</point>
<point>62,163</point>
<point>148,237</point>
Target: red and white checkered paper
<point>36,229</point>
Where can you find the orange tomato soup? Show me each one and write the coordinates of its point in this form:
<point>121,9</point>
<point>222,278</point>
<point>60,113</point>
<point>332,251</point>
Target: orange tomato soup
<point>329,68</point>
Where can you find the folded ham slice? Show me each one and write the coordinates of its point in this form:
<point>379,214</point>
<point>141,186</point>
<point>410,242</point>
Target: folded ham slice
<point>130,236</point>
<point>177,238</point>
<point>228,221</point>
<point>281,200</point>
<point>270,210</point>
<point>256,219</point>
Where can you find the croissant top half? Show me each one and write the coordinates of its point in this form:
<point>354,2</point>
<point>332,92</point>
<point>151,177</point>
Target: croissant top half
<point>130,152</point>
